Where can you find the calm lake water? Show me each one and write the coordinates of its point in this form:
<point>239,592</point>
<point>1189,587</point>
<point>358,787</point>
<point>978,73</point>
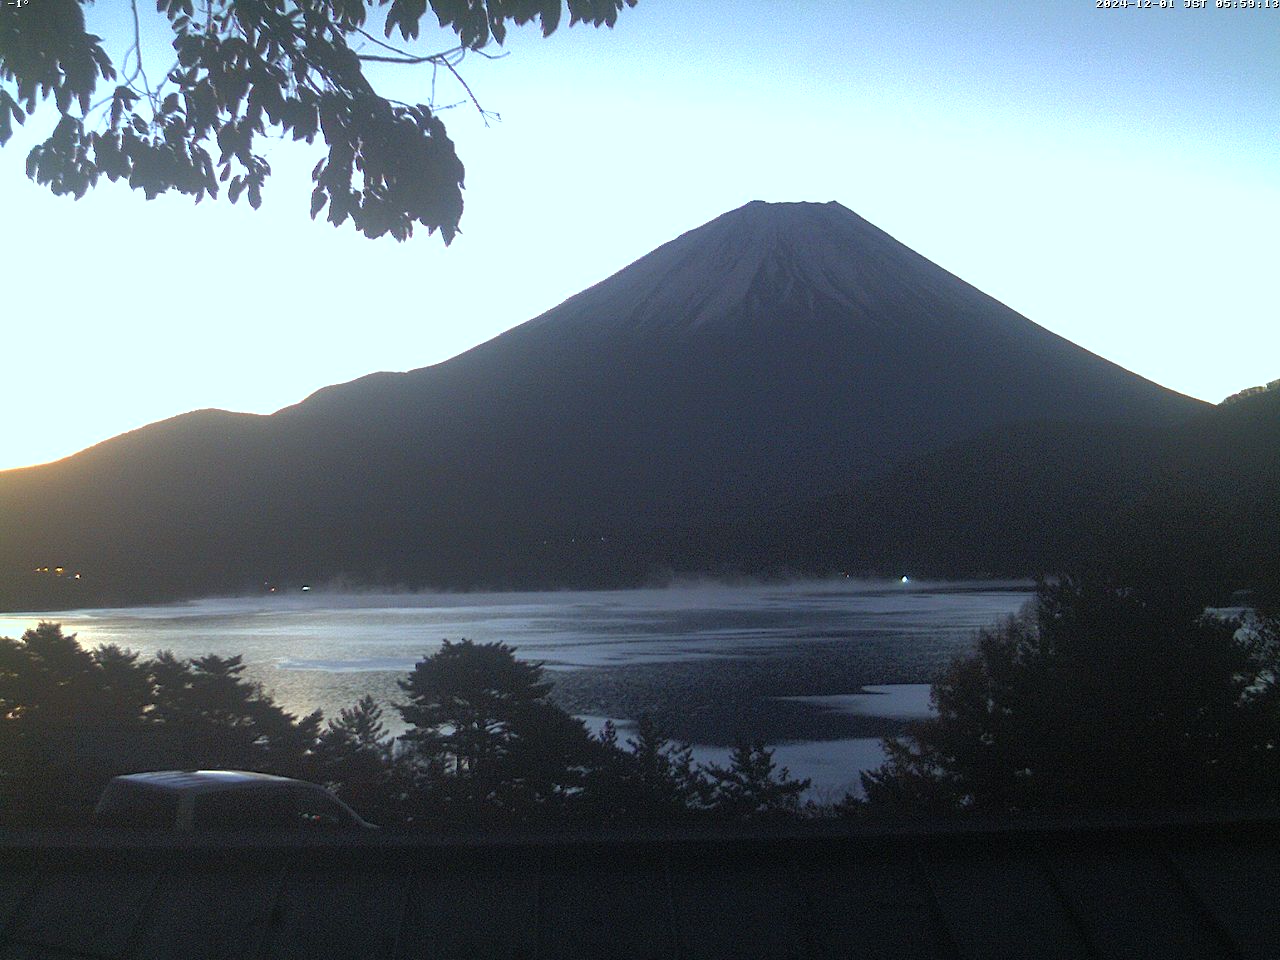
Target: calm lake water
<point>822,670</point>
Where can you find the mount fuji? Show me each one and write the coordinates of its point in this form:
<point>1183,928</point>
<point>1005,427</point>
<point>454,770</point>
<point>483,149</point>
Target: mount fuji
<point>775,355</point>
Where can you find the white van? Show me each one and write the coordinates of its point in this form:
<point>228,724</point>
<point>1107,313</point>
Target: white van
<point>221,800</point>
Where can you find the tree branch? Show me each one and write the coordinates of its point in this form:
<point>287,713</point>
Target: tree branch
<point>484,115</point>
<point>137,52</point>
<point>449,59</point>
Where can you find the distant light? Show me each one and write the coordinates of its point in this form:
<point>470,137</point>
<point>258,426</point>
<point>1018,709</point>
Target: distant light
<point>77,576</point>
<point>306,588</point>
<point>905,579</point>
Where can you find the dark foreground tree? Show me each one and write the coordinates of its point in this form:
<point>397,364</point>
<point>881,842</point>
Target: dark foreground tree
<point>653,779</point>
<point>71,718</point>
<point>247,69</point>
<point>213,717</point>
<point>1102,696</point>
<point>488,743</point>
<point>66,716</point>
<point>484,733</point>
<point>650,779</point>
<point>752,787</point>
<point>357,760</point>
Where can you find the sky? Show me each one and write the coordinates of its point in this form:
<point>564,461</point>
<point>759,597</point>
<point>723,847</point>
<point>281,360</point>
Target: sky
<point>1112,174</point>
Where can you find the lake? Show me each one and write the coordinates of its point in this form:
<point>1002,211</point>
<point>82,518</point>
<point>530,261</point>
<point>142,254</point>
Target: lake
<point>822,670</point>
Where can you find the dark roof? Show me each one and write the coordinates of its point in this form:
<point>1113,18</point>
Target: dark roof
<point>1040,889</point>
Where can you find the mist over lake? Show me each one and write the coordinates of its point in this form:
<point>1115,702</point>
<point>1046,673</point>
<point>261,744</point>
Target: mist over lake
<point>787,663</point>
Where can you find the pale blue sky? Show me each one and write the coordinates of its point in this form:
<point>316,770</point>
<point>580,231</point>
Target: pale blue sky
<point>1112,174</point>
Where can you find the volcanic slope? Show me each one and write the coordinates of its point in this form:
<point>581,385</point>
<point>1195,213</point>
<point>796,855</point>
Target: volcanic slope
<point>773,354</point>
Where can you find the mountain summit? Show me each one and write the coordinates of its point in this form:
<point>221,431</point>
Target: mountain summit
<point>770,356</point>
<point>770,264</point>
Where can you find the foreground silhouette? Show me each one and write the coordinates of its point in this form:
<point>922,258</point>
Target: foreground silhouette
<point>1100,696</point>
<point>244,72</point>
<point>485,744</point>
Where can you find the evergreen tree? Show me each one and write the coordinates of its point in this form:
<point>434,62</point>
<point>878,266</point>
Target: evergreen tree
<point>357,760</point>
<point>68,718</point>
<point>1101,696</point>
<point>483,732</point>
<point>650,780</point>
<point>217,719</point>
<point>752,787</point>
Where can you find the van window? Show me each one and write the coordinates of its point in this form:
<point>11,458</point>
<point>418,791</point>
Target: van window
<point>243,810</point>
<point>141,809</point>
<point>316,810</point>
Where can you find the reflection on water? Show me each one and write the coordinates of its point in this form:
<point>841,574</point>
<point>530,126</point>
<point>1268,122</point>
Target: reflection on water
<point>896,701</point>
<point>786,662</point>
